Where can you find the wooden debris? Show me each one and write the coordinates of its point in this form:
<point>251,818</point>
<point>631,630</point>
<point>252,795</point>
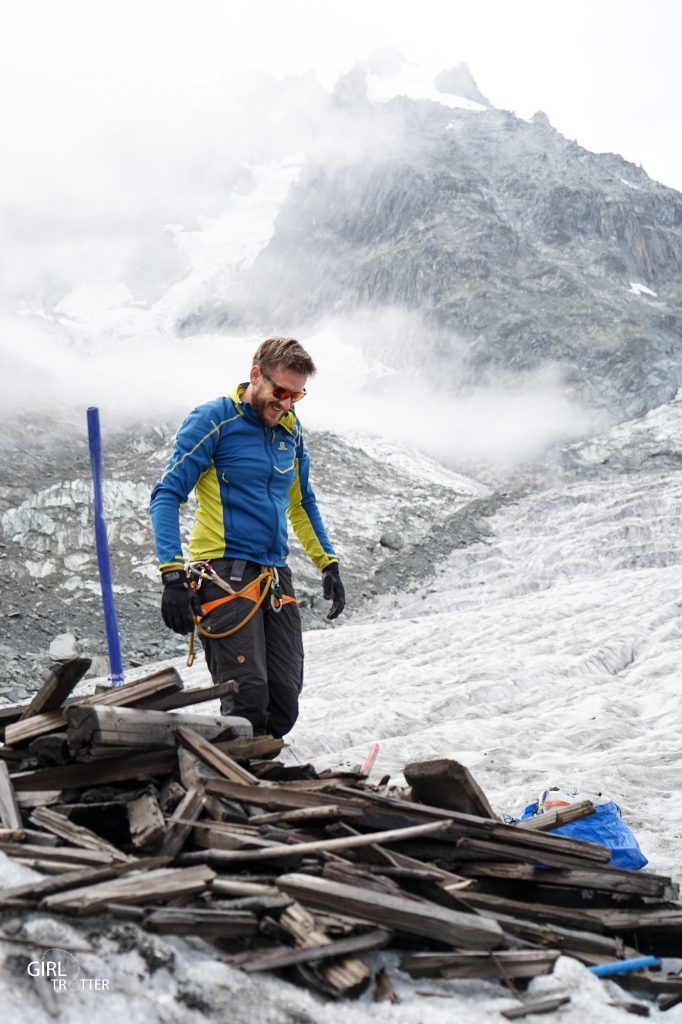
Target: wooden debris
<point>74,834</point>
<point>182,821</point>
<point>9,812</point>
<point>137,887</point>
<point>540,1006</point>
<point>553,819</point>
<point>516,964</point>
<point>402,914</point>
<point>164,681</point>
<point>446,783</point>
<point>345,976</point>
<point>217,759</point>
<point>146,820</point>
<point>102,727</point>
<point>57,687</point>
<point>318,867</point>
<point>186,698</point>
<point>233,924</point>
<point>383,990</point>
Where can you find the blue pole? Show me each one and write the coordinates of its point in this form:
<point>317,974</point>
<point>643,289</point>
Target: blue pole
<point>625,966</point>
<point>102,543</point>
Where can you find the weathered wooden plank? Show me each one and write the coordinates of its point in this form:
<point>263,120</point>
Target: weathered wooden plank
<point>446,783</point>
<point>9,812</point>
<point>515,964</point>
<point>78,776</point>
<point>331,812</point>
<point>74,879</point>
<point>77,835</point>
<point>233,924</point>
<point>508,851</point>
<point>553,819</point>
<point>246,749</point>
<point>137,727</point>
<point>280,850</point>
<point>188,697</point>
<point>137,887</point>
<point>145,819</point>
<point>190,737</point>
<point>602,878</point>
<point>182,821</point>
<point>537,1006</point>
<point>276,959</point>
<point>564,915</point>
<point>71,854</point>
<point>272,796</point>
<point>399,913</point>
<point>57,687</point>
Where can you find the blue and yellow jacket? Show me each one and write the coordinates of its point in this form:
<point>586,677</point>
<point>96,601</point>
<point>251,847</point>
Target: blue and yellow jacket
<point>247,478</point>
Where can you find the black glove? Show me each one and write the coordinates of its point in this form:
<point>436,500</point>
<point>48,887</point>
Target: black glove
<point>175,603</point>
<point>333,589</point>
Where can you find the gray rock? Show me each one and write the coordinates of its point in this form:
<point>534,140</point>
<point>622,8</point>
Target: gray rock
<point>391,540</point>
<point>63,646</point>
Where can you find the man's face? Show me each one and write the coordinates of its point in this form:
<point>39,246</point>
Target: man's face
<point>269,408</point>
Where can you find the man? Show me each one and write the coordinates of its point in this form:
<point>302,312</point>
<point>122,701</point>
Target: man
<point>245,458</point>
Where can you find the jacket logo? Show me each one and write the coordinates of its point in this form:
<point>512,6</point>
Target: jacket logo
<point>282,446</point>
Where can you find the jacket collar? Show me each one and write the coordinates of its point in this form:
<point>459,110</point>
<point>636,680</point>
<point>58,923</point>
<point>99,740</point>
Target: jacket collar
<point>288,421</point>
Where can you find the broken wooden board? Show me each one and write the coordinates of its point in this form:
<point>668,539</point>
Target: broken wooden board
<point>189,697</point>
<point>146,821</point>
<point>73,879</point>
<point>319,846</point>
<point>223,923</point>
<point>601,878</point>
<point>512,963</point>
<point>137,887</point>
<point>9,811</point>
<point>198,743</point>
<point>282,956</point>
<point>247,749</point>
<point>77,835</point>
<point>537,1006</point>
<point>182,821</point>
<point>397,913</point>
<point>57,687</point>
<point>137,727</point>
<point>79,776</point>
<point>346,976</point>
<point>554,819</point>
<point>447,783</point>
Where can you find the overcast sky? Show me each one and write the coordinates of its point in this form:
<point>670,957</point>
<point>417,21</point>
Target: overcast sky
<point>607,72</point>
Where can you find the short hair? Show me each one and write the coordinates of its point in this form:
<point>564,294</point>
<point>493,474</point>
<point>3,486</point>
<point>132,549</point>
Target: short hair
<point>285,352</point>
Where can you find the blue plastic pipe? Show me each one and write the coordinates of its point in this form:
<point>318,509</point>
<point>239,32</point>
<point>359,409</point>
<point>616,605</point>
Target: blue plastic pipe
<point>102,544</point>
<point>625,966</point>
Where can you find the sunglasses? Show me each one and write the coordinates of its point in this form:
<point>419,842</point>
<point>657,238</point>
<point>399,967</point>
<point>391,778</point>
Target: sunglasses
<point>283,393</point>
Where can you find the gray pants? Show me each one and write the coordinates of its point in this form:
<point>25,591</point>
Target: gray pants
<point>264,657</point>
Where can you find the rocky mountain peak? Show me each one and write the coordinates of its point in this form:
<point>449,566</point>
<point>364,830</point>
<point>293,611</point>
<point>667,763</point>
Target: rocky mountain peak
<point>459,81</point>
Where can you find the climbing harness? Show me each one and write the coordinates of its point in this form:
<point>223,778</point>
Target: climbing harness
<point>255,591</point>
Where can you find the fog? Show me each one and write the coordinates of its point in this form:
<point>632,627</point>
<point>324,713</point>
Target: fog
<point>141,182</point>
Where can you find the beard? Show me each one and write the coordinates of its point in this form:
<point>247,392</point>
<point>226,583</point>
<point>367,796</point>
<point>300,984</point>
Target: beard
<point>268,409</point>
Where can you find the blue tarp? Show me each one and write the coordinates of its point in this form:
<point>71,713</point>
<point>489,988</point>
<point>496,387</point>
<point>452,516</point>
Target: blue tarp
<point>606,827</point>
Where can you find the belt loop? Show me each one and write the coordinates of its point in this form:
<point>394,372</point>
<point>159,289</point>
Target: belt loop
<point>237,570</point>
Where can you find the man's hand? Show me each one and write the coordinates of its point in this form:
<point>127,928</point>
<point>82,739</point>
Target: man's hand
<point>175,603</point>
<point>333,589</point>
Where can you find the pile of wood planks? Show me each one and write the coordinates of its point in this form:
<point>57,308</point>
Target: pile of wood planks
<point>186,824</point>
